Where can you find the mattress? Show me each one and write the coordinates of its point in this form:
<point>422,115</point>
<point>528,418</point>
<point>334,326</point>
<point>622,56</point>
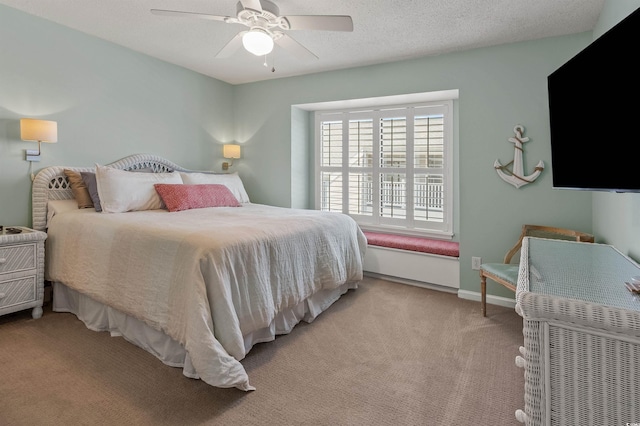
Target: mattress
<point>214,281</point>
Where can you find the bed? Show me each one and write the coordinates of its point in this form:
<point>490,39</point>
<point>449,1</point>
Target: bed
<point>195,287</point>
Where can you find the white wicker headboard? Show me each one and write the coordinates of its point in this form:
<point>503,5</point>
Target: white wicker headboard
<point>51,184</point>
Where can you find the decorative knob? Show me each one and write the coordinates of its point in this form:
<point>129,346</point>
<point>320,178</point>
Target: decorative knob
<point>521,416</point>
<point>2,260</point>
<point>520,362</point>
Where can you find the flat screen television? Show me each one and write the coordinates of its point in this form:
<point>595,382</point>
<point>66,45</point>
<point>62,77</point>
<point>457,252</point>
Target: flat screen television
<point>594,114</point>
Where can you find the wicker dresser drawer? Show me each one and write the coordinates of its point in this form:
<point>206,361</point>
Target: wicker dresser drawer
<point>22,271</point>
<point>17,258</point>
<point>17,292</point>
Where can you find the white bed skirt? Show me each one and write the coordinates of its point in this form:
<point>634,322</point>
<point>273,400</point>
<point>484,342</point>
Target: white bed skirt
<point>99,317</point>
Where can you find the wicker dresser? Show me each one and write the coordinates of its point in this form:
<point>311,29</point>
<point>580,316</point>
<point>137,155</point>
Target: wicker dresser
<point>22,271</point>
<point>581,331</point>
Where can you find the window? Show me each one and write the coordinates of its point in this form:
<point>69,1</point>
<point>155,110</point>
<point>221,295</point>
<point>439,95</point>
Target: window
<point>388,167</point>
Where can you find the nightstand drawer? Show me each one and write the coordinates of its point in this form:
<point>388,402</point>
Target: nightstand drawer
<point>15,258</point>
<point>22,271</point>
<point>17,292</point>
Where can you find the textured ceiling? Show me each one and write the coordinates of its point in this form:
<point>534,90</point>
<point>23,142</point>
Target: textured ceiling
<point>384,30</point>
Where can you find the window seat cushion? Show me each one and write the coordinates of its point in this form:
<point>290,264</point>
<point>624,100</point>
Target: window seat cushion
<point>420,244</point>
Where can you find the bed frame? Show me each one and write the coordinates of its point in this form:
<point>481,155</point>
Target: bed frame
<point>52,184</point>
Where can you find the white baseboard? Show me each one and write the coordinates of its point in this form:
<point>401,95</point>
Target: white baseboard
<point>492,300</point>
<point>462,294</point>
<point>411,282</point>
<point>425,270</point>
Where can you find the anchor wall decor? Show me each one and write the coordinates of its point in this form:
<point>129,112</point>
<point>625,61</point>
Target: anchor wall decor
<point>516,177</point>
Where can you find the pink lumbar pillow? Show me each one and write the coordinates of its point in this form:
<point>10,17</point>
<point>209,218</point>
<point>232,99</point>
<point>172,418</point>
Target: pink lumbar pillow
<point>184,197</point>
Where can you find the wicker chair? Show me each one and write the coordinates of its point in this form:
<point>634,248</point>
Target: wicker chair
<point>506,273</point>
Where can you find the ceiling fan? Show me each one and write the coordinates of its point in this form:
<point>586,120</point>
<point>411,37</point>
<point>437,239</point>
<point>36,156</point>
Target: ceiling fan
<point>266,27</point>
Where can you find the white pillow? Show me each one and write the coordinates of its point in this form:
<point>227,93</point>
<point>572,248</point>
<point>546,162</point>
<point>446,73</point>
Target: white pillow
<point>121,191</point>
<point>230,180</point>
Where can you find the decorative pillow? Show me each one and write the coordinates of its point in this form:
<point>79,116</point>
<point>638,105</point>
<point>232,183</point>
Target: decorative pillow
<point>185,197</point>
<point>79,189</point>
<point>230,180</point>
<point>89,179</point>
<point>121,191</point>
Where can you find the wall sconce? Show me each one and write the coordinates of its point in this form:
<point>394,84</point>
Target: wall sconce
<point>232,152</point>
<point>39,131</point>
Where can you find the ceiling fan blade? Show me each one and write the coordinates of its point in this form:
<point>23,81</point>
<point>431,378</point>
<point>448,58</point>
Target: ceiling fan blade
<point>251,4</point>
<point>190,14</point>
<point>320,22</point>
<point>230,48</point>
<point>289,44</point>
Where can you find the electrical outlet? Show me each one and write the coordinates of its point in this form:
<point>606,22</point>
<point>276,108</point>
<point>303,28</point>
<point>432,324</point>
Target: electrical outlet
<point>475,263</point>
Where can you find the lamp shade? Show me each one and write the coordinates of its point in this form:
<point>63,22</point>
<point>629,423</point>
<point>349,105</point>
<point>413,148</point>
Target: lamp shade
<point>257,42</point>
<point>38,130</point>
<point>231,151</point>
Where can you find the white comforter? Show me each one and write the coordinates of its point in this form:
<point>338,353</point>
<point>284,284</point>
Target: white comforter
<point>205,277</point>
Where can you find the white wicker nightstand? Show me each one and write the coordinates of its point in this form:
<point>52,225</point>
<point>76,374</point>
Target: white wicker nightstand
<point>22,271</point>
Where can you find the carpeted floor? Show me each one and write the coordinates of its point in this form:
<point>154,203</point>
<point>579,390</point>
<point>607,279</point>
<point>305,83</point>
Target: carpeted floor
<point>384,354</point>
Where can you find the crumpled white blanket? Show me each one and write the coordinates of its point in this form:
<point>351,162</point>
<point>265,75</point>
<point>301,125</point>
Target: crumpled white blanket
<point>205,277</point>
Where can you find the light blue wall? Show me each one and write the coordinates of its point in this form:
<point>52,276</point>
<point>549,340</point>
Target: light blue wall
<point>499,87</point>
<point>109,102</point>
<point>616,217</point>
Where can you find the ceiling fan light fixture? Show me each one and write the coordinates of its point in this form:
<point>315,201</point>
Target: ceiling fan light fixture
<point>257,42</point>
<point>265,27</point>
